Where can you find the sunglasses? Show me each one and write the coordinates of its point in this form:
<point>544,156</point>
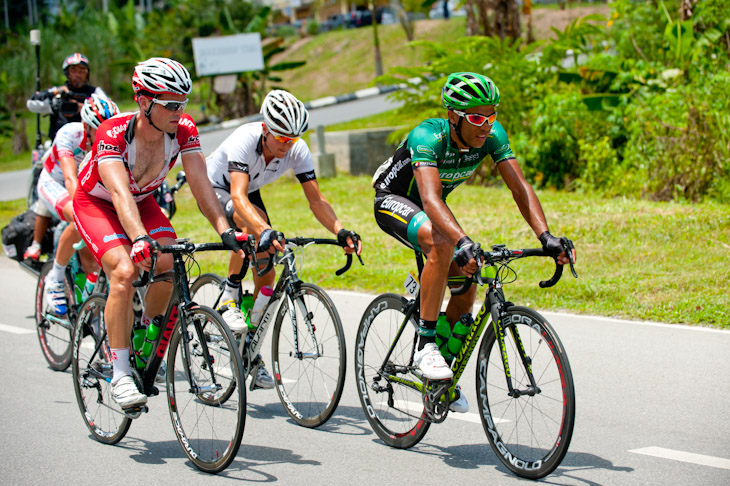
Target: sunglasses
<point>283,139</point>
<point>171,105</point>
<point>477,119</point>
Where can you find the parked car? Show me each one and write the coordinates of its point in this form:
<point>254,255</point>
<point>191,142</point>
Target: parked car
<point>437,10</point>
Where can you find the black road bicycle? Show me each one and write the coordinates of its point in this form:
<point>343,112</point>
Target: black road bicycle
<point>308,344</point>
<point>524,385</point>
<point>204,394</point>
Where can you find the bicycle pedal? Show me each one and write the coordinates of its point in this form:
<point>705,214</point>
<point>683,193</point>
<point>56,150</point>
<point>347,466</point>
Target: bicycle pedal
<point>135,412</point>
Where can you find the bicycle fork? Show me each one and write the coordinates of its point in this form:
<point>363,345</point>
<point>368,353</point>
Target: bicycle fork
<point>501,319</point>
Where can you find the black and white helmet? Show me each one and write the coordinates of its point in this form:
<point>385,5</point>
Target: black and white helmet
<point>284,114</point>
<point>159,75</point>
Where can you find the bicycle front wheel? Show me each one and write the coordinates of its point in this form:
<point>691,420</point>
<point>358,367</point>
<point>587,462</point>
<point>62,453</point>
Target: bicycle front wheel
<point>308,350</point>
<point>530,428</point>
<point>393,408</point>
<point>206,390</point>
<point>207,289</point>
<point>54,333</point>
<point>92,373</point>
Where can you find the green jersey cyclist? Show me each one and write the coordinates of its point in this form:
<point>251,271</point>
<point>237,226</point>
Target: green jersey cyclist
<point>410,202</point>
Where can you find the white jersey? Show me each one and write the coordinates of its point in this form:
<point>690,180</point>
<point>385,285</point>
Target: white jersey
<point>242,151</point>
<point>70,142</point>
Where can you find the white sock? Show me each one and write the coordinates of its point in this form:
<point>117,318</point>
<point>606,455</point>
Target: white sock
<point>230,292</point>
<point>120,364</point>
<point>56,273</point>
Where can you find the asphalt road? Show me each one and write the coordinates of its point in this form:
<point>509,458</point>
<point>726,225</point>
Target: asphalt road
<point>13,185</point>
<point>652,409</point>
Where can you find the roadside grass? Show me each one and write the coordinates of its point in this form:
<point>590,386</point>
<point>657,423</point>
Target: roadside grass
<point>636,259</point>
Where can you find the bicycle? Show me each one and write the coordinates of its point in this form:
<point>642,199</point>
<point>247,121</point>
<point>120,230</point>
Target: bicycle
<point>207,408</point>
<point>310,364</point>
<point>524,385</point>
<point>54,332</point>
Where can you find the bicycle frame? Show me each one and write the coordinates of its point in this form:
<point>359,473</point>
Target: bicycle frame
<point>178,308</point>
<point>493,309</point>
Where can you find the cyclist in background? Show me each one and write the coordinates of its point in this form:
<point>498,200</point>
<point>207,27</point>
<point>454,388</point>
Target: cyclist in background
<point>254,155</point>
<point>115,209</point>
<point>410,202</point>
<point>56,188</point>
<point>64,104</point>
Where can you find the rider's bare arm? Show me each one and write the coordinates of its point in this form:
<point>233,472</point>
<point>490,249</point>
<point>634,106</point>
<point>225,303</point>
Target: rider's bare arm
<point>526,199</point>
<point>115,178</point>
<point>239,195</point>
<point>429,187</point>
<point>524,195</point>
<point>70,178</point>
<point>197,177</point>
<point>322,210</point>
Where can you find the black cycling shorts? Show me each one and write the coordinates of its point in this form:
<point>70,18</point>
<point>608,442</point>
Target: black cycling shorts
<point>399,217</point>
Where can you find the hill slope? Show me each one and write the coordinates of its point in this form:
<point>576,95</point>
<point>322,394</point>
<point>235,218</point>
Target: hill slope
<point>342,61</point>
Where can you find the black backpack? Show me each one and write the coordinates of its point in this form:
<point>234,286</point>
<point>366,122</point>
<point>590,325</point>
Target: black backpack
<point>18,235</point>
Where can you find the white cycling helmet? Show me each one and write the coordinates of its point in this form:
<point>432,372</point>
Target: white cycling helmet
<point>159,75</point>
<point>96,109</point>
<point>284,114</point>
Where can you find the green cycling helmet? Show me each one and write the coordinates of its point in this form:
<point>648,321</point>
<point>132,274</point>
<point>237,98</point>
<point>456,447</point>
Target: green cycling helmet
<point>467,90</point>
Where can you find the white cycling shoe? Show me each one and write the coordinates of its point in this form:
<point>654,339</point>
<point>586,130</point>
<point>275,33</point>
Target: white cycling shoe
<point>233,316</point>
<point>460,405</point>
<point>126,394</point>
<point>56,297</point>
<point>432,365</point>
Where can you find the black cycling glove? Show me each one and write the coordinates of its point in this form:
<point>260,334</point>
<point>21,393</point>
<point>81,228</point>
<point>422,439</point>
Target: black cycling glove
<point>232,239</point>
<point>342,237</point>
<point>464,251</point>
<point>268,236</point>
<point>551,244</point>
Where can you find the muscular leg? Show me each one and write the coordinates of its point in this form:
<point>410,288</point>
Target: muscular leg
<point>439,253</point>
<point>234,265</point>
<point>459,304</point>
<point>121,272</point>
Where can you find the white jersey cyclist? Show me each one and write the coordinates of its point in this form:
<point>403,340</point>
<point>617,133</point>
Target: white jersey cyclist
<point>242,151</point>
<point>70,141</point>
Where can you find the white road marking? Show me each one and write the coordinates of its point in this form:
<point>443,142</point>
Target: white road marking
<point>15,330</point>
<point>682,456</point>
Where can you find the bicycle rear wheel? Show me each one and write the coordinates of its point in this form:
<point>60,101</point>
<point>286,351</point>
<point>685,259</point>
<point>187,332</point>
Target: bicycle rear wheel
<point>395,410</point>
<point>208,422</point>
<point>54,334</point>
<point>529,432</point>
<point>207,289</point>
<point>309,373</point>
<point>92,372</point>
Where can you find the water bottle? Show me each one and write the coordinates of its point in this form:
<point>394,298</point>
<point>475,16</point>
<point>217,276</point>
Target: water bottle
<point>89,285</point>
<point>138,334</point>
<point>153,330</point>
<point>258,306</point>
<point>246,305</point>
<point>443,333</point>
<point>79,284</point>
<point>459,333</point>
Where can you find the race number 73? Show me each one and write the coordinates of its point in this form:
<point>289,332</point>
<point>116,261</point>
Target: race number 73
<point>411,284</point>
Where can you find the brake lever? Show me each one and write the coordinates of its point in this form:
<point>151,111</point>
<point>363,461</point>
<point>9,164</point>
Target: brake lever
<point>568,248</point>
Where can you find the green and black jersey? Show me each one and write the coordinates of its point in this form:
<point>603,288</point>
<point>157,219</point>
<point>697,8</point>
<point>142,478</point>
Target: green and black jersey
<point>430,145</point>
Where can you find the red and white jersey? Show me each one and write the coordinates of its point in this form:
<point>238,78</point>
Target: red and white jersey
<point>70,141</point>
<point>115,142</point>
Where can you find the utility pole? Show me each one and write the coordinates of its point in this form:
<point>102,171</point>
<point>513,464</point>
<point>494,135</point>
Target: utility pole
<point>376,41</point>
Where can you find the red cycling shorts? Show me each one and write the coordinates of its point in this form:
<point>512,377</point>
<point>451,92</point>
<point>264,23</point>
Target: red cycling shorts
<point>99,226</point>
